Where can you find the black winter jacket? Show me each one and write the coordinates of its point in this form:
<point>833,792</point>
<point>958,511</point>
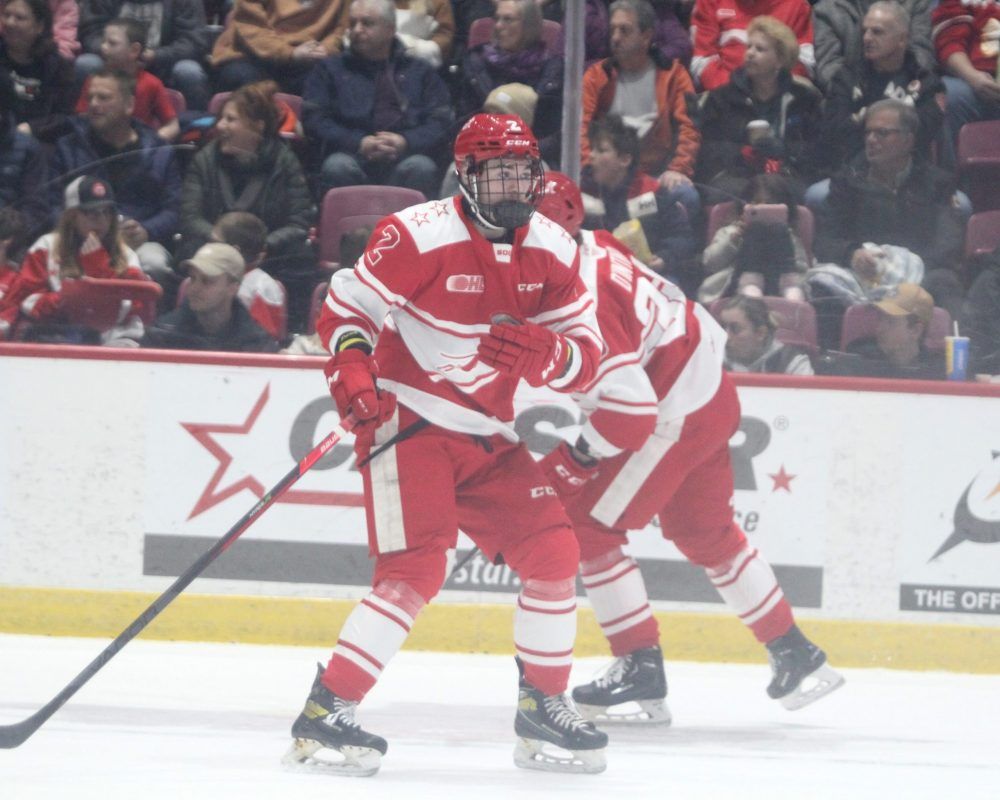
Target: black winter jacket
<point>919,216</point>
<point>275,191</point>
<point>23,173</point>
<point>179,330</point>
<point>182,29</point>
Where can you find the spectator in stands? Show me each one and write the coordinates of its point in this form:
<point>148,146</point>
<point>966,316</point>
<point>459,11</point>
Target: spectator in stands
<point>619,197</point>
<point>653,99</point>
<point>262,295</point>
<point>65,17</point>
<point>108,143</point>
<point>43,82</point>
<point>839,35</point>
<point>426,29</point>
<point>176,41</point>
<point>889,69</point>
<point>897,349</point>
<point>981,318</point>
<point>965,38</point>
<point>247,167</point>
<point>23,170</point>
<point>85,243</point>
<point>761,121</point>
<point>516,54</point>
<point>756,255</point>
<point>887,197</point>
<point>670,37</point>
<point>376,114</point>
<point>211,317</point>
<point>13,238</point>
<point>121,48</point>
<point>277,39</point>
<point>751,346</point>
<point>719,30</point>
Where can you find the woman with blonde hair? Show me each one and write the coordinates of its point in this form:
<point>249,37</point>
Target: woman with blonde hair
<point>86,243</point>
<point>751,345</point>
<point>248,167</point>
<point>763,121</point>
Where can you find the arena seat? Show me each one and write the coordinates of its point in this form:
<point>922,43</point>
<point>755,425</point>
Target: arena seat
<point>979,163</point>
<point>348,207</point>
<point>860,321</point>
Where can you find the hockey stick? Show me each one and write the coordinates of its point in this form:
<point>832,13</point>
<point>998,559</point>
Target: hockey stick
<point>15,735</point>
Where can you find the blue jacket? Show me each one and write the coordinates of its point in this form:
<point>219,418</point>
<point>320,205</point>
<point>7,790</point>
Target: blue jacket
<point>151,194</point>
<point>22,177</point>
<point>338,102</point>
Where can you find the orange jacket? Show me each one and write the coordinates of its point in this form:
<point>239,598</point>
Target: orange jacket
<point>673,141</point>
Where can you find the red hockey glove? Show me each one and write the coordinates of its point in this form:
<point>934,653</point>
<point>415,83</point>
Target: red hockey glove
<point>527,351</point>
<point>351,375</point>
<point>565,474</point>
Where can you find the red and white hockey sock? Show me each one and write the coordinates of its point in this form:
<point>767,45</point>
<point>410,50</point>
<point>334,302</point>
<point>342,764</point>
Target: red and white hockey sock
<point>617,594</point>
<point>544,630</point>
<point>747,584</point>
<point>374,631</point>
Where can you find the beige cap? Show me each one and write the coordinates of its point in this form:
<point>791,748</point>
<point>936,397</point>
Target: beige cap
<point>217,258</point>
<point>513,98</point>
<point>908,298</point>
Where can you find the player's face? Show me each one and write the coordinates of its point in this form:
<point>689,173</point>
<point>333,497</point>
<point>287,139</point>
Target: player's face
<point>20,28</point>
<point>115,47</point>
<point>745,343</point>
<point>761,59</point>
<point>501,179</point>
<point>210,293</point>
<point>237,135</point>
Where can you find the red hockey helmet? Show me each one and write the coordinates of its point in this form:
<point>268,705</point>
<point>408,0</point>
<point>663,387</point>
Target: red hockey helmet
<point>562,202</point>
<point>499,169</point>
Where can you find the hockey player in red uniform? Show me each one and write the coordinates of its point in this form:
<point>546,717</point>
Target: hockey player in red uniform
<point>655,441</point>
<point>452,304</point>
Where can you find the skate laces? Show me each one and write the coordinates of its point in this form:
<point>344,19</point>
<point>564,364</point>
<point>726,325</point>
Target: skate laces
<point>562,713</point>
<point>615,672</point>
<point>342,714</point>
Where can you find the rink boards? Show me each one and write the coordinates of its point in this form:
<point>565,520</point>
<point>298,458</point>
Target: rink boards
<point>878,504</point>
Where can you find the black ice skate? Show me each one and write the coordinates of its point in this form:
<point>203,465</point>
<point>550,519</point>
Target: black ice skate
<point>547,722</point>
<point>801,674</point>
<point>633,690</point>
<point>327,723</point>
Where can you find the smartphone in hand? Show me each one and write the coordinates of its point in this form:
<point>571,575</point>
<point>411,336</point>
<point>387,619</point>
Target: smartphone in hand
<point>765,214</point>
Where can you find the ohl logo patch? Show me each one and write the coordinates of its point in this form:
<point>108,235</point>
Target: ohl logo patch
<point>977,514</point>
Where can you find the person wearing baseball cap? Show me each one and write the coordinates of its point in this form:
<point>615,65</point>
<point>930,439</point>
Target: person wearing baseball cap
<point>898,349</point>
<point>210,316</point>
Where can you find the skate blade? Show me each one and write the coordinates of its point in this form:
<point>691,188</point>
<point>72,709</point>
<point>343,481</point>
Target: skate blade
<point>815,685</point>
<point>355,762</point>
<point>534,754</point>
<point>638,712</point>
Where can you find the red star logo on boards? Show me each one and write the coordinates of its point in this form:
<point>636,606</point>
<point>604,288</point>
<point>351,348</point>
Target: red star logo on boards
<point>212,494</point>
<point>420,217</point>
<point>782,480</point>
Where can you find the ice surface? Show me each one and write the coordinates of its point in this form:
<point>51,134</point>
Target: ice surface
<point>189,721</point>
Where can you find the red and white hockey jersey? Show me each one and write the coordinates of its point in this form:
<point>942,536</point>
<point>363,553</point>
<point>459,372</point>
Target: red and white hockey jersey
<point>719,36</point>
<point>968,26</point>
<point>663,356</point>
<point>425,292</point>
